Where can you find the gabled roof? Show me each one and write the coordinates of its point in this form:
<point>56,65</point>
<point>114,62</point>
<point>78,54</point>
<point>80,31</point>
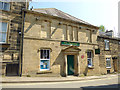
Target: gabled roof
<point>60,14</point>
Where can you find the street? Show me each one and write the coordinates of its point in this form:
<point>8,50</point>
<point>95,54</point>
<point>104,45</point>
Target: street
<point>96,83</point>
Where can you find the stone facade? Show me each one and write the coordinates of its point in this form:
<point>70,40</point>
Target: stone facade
<point>10,56</point>
<point>66,38</point>
<point>45,32</point>
<point>112,53</point>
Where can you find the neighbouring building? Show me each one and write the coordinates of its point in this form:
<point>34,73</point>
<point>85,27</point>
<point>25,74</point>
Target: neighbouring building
<point>109,54</point>
<point>107,33</point>
<point>10,36</point>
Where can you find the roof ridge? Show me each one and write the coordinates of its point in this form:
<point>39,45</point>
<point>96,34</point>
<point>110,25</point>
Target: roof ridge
<point>43,8</point>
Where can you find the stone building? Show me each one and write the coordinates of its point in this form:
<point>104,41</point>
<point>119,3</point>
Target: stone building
<point>109,54</point>
<point>49,42</point>
<point>10,35</point>
<point>58,44</point>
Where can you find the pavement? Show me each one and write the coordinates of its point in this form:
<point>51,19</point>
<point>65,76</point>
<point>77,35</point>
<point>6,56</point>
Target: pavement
<point>53,79</point>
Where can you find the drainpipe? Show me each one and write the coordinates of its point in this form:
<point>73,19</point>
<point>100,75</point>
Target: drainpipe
<point>21,43</point>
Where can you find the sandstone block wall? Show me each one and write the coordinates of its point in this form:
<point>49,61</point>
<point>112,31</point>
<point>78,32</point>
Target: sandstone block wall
<point>48,33</point>
<point>112,52</point>
<point>14,19</point>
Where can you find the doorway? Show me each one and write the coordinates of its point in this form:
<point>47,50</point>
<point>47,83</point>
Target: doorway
<point>12,69</point>
<point>70,64</point>
<point>115,65</point>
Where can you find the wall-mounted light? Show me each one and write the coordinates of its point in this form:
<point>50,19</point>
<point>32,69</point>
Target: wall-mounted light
<point>93,30</point>
<point>59,23</point>
<point>80,27</point>
<point>19,33</point>
<point>37,18</point>
<point>31,8</point>
<point>87,29</point>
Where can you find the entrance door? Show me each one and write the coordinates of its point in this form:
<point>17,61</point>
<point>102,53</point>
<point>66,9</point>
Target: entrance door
<point>70,64</point>
<point>115,65</point>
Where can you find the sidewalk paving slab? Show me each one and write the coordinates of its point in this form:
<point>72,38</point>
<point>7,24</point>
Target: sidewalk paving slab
<point>52,79</point>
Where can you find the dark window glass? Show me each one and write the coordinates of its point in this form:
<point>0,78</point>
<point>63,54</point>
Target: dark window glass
<point>88,54</point>
<point>48,54</point>
<point>41,54</point>
<point>45,54</point>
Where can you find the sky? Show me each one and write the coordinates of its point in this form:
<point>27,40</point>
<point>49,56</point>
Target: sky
<point>96,12</point>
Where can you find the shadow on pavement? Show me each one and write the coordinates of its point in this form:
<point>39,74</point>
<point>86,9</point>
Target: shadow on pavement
<point>102,87</point>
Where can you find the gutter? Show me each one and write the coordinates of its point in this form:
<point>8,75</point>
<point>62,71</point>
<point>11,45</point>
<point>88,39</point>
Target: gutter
<point>107,37</point>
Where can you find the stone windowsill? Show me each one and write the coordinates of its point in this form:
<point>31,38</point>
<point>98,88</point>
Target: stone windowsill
<point>108,67</point>
<point>44,72</point>
<point>107,50</point>
<point>91,67</point>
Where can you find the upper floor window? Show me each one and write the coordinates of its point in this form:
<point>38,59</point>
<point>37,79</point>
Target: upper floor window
<point>89,58</point>
<point>106,44</point>
<point>44,59</point>
<point>5,6</point>
<point>3,32</point>
<point>108,62</point>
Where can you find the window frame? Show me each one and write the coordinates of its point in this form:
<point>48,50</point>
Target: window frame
<point>91,59</point>
<point>44,60</point>
<point>107,47</point>
<point>6,41</point>
<point>3,6</point>
<point>109,61</point>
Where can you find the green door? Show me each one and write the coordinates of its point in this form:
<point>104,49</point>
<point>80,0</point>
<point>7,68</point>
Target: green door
<point>70,64</point>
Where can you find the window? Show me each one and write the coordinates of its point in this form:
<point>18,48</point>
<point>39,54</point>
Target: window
<point>4,6</point>
<point>108,63</point>
<point>44,59</point>
<point>89,58</point>
<point>3,32</point>
<point>106,44</point>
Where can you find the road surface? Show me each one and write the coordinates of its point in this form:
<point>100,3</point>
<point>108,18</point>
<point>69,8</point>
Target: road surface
<point>111,82</point>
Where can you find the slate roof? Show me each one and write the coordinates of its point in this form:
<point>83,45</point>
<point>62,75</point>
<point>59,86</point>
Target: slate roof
<point>59,13</point>
<point>107,37</point>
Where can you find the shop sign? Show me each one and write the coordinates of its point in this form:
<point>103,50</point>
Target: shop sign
<point>70,43</point>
